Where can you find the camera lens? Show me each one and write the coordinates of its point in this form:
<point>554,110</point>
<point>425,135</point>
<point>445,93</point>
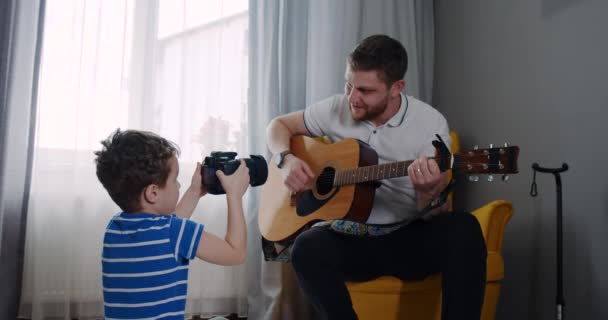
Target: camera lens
<point>258,170</point>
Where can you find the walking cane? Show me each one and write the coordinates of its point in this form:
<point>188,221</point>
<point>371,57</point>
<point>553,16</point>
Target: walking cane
<point>559,297</point>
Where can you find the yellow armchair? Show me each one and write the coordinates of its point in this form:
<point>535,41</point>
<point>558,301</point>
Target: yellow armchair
<point>391,298</point>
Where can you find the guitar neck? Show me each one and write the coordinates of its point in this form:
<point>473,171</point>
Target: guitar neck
<point>372,173</point>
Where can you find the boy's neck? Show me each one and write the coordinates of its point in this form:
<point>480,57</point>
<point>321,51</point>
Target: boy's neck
<point>151,210</point>
<point>146,212</point>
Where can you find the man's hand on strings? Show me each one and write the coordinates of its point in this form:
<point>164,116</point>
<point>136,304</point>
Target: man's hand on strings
<point>296,173</point>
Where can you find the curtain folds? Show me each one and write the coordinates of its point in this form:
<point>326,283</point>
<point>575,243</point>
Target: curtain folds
<point>20,45</point>
<point>277,81</point>
<point>298,53</point>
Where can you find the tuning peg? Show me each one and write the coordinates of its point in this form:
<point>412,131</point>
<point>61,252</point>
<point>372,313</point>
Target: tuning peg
<point>490,178</point>
<point>473,178</point>
<point>491,146</point>
<point>475,147</point>
<point>505,177</point>
<point>506,144</point>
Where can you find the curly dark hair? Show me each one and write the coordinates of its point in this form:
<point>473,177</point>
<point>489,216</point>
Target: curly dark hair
<point>381,53</point>
<point>131,160</point>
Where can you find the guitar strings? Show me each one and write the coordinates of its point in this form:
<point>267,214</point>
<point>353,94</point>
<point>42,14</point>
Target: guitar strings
<point>408,163</point>
<point>329,176</point>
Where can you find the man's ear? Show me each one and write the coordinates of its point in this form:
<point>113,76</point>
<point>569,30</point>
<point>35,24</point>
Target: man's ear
<point>150,194</point>
<point>397,87</point>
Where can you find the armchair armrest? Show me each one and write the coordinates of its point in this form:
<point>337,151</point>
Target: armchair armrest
<point>493,218</point>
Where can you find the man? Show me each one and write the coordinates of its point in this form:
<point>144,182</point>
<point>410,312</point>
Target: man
<point>403,244</point>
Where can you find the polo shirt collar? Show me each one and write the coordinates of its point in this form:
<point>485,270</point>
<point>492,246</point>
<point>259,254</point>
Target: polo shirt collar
<point>397,119</point>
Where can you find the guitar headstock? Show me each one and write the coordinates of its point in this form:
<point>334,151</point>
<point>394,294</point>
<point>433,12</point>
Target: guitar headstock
<point>501,160</point>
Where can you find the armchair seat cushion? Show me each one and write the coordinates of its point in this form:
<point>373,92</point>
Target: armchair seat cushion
<point>392,285</point>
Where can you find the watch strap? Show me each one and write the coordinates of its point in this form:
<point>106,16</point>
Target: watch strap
<point>282,156</point>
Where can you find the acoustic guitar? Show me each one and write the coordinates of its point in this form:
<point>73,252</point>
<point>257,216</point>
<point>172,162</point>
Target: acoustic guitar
<point>344,186</point>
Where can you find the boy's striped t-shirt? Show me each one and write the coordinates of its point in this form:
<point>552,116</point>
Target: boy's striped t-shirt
<point>145,262</point>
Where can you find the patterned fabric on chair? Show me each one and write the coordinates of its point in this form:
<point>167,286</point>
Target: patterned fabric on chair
<point>391,298</point>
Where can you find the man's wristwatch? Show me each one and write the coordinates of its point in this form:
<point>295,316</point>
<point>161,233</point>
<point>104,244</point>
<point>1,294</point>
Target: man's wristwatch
<point>280,159</point>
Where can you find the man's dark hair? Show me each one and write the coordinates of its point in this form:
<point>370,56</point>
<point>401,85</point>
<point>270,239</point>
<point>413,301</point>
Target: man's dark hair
<point>131,160</point>
<point>381,53</point>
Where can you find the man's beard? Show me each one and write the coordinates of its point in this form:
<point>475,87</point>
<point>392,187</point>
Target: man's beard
<point>371,112</point>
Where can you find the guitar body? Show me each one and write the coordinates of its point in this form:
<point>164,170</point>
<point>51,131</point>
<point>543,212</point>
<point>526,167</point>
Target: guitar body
<point>283,215</point>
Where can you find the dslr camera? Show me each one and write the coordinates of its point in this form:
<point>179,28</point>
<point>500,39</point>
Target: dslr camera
<point>227,163</point>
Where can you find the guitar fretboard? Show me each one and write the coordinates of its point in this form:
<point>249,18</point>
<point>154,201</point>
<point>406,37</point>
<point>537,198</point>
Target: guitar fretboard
<point>371,173</point>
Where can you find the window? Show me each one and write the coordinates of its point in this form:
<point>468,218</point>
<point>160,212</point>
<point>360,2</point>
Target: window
<point>178,68</point>
<point>103,68</point>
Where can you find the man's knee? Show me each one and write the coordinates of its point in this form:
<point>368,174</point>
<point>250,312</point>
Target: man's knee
<point>307,248</point>
<point>467,231</point>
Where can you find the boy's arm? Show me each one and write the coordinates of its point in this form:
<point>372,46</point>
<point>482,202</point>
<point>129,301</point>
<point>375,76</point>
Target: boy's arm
<point>190,199</point>
<point>233,248</point>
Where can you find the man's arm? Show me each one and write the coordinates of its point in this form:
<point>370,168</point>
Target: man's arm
<point>280,130</point>
<point>296,173</point>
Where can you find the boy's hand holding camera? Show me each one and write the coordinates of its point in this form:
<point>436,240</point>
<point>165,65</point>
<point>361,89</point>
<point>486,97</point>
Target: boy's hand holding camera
<point>235,184</point>
<point>196,183</point>
<point>189,200</point>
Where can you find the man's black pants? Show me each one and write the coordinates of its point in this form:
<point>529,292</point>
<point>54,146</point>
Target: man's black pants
<point>450,243</point>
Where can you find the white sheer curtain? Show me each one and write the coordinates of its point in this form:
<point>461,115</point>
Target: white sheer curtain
<point>298,55</point>
<point>178,68</point>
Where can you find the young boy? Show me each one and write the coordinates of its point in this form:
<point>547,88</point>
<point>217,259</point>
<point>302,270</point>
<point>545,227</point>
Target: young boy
<point>147,247</point>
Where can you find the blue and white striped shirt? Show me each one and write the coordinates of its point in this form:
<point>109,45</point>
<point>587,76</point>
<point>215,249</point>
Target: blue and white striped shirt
<point>145,262</point>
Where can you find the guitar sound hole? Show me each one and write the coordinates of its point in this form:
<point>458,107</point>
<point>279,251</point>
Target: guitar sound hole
<point>325,181</point>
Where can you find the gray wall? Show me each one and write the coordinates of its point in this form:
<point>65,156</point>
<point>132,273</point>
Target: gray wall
<point>534,73</point>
